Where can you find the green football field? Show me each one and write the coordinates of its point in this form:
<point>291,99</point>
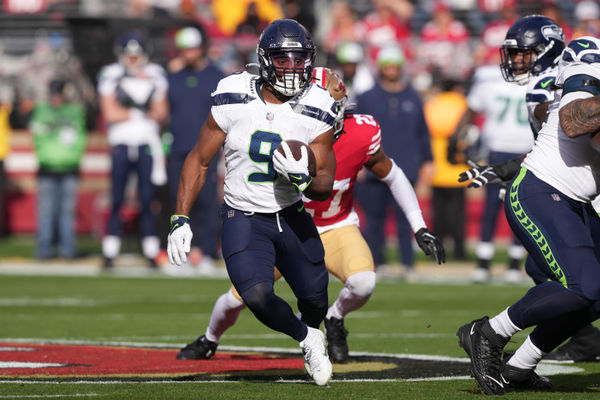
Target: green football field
<point>162,312</point>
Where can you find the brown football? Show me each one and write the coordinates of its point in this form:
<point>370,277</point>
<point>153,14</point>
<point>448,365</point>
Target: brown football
<point>295,146</point>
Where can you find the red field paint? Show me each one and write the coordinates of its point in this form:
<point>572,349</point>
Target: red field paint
<point>105,361</point>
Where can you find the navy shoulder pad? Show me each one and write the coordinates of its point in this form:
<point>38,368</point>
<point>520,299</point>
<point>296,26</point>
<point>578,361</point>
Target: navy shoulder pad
<point>581,83</point>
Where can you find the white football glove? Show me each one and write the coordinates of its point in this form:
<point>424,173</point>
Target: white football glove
<point>180,239</point>
<point>295,171</point>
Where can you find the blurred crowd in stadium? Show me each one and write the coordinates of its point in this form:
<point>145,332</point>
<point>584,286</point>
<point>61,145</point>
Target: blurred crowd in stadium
<point>51,46</point>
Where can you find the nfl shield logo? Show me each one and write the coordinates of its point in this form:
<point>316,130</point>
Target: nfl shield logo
<point>230,213</point>
<point>555,197</point>
<point>270,116</point>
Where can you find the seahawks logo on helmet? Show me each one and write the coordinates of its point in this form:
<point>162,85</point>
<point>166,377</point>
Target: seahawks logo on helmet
<point>532,45</point>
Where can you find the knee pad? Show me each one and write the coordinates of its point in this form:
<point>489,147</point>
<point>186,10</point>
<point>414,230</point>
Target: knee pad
<point>361,284</point>
<point>259,297</point>
<point>313,311</point>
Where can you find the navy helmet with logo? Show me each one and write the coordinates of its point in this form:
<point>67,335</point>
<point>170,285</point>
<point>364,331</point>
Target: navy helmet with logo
<point>532,44</point>
<point>286,55</point>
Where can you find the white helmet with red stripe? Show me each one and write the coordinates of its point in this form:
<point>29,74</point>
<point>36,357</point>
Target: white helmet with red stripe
<point>329,80</point>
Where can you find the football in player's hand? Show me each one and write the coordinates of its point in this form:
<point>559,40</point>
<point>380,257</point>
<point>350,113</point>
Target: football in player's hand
<point>295,147</point>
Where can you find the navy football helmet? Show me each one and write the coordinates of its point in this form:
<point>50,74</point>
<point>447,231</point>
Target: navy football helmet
<point>132,51</point>
<point>532,45</point>
<point>286,55</point>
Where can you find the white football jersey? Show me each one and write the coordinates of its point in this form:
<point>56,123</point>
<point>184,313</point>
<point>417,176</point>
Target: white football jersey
<point>254,129</point>
<point>571,165</point>
<point>540,89</point>
<point>506,126</point>
<point>138,129</point>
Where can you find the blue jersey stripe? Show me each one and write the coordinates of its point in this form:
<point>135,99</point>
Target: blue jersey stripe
<point>313,112</point>
<point>536,98</point>
<point>231,98</point>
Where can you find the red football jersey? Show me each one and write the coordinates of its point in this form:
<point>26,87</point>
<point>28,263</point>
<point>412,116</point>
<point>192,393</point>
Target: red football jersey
<point>360,140</point>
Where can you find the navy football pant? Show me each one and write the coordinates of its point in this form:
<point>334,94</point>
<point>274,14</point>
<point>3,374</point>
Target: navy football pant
<point>493,202</point>
<point>204,215</point>
<point>562,237</point>
<point>254,243</point>
<point>125,159</point>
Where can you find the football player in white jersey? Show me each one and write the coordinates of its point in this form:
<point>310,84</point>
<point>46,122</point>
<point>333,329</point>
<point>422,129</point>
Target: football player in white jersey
<point>505,134</point>
<point>347,255</point>
<point>133,102</point>
<point>264,220</point>
<point>530,56</point>
<point>548,206</point>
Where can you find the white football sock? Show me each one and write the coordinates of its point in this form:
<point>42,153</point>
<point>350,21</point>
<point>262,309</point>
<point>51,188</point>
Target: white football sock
<point>150,246</point>
<point>503,326</point>
<point>356,292</point>
<point>224,314</point>
<point>527,356</point>
<point>111,245</point>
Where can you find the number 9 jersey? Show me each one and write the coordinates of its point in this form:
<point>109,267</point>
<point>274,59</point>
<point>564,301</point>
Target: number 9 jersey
<point>254,129</point>
<point>360,140</point>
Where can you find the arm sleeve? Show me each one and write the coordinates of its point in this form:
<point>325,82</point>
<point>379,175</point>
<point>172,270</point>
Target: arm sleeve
<point>405,196</point>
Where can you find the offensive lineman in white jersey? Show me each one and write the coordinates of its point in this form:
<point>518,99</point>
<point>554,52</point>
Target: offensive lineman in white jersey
<point>548,206</point>
<point>529,56</point>
<point>505,133</point>
<point>264,220</point>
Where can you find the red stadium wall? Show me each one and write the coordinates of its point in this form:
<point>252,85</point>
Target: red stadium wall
<point>92,208</point>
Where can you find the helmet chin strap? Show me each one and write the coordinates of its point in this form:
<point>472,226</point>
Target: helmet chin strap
<point>522,79</point>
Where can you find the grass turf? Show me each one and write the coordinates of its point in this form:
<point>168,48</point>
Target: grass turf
<point>400,318</point>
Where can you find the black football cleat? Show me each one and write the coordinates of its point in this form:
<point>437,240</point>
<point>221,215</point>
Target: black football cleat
<point>199,349</point>
<point>584,346</point>
<point>337,346</point>
<point>484,347</point>
<point>515,379</point>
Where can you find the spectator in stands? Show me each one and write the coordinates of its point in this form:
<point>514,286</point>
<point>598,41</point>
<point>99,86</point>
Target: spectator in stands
<point>231,13</point>
<point>444,49</point>
<point>388,24</point>
<point>587,14</point>
<point>493,34</point>
<point>399,110</point>
<point>59,136</point>
<point>355,74</point>
<point>345,27</point>
<point>302,11</point>
<point>551,11</point>
<point>133,103</point>
<point>189,93</point>
<point>442,113</point>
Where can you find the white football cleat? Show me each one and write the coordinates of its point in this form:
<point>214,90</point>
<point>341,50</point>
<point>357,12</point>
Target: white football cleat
<point>316,360</point>
<point>480,275</point>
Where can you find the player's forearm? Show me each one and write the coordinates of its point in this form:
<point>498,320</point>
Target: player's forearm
<point>159,111</point>
<point>193,176</point>
<point>321,188</point>
<point>405,196</point>
<point>581,117</point>
<point>113,112</point>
